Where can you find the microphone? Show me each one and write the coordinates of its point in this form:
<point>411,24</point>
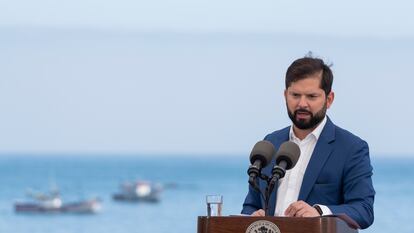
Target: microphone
<point>261,155</point>
<point>286,158</point>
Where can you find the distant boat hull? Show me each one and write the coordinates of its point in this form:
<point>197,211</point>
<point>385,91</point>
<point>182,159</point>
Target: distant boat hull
<point>35,208</point>
<point>83,207</point>
<point>135,198</point>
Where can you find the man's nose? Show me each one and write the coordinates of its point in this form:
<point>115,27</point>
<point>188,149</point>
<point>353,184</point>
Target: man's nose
<point>303,103</point>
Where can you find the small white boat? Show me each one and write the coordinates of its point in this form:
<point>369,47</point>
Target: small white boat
<point>139,191</point>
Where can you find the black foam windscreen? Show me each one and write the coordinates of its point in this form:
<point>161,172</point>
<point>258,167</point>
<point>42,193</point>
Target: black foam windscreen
<point>263,151</point>
<point>288,152</point>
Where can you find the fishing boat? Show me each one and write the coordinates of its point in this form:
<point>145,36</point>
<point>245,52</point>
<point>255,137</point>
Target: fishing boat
<point>52,203</point>
<point>139,191</point>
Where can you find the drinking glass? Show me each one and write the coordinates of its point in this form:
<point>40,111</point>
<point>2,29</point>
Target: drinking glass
<point>214,205</point>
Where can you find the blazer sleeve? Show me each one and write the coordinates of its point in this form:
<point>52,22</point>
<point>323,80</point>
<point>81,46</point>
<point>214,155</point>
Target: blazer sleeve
<point>357,189</point>
<point>252,202</point>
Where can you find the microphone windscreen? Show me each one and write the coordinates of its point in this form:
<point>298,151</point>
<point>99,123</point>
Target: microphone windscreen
<point>263,151</point>
<point>289,152</point>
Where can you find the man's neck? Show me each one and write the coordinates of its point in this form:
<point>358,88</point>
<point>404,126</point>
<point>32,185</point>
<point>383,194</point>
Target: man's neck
<point>302,133</point>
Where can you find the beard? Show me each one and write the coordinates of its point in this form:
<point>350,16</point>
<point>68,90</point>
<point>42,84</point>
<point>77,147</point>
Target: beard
<point>311,123</point>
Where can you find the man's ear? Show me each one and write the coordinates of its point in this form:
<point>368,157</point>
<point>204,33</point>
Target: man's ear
<point>329,99</point>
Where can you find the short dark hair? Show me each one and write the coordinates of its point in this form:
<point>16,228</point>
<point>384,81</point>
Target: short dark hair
<point>304,67</point>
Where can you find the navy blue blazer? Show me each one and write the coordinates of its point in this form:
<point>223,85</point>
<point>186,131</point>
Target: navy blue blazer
<point>338,176</point>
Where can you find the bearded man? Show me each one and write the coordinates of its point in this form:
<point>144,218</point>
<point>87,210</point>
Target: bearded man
<point>333,173</point>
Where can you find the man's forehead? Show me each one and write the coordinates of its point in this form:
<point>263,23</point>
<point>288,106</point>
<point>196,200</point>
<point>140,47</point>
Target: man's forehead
<point>305,91</point>
<point>309,83</point>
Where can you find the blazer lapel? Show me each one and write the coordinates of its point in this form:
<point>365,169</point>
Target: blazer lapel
<point>320,154</point>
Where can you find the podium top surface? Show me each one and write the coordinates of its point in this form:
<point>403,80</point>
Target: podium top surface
<point>240,224</point>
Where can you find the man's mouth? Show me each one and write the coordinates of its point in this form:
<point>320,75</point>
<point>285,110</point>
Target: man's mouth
<point>303,114</point>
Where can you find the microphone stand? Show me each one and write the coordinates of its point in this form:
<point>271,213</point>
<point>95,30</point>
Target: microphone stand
<point>278,172</point>
<point>265,195</point>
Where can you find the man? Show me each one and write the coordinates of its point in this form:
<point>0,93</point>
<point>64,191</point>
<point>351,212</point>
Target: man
<point>333,173</point>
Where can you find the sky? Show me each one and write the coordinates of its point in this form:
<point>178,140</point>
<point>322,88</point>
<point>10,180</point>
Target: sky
<point>346,18</point>
<point>195,77</point>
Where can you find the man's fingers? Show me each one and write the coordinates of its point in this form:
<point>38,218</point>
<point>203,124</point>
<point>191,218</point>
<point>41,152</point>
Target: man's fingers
<point>258,213</point>
<point>298,209</point>
<point>292,209</point>
<point>301,213</point>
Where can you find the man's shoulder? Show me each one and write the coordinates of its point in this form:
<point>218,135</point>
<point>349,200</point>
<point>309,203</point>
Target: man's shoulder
<point>342,134</point>
<point>278,135</point>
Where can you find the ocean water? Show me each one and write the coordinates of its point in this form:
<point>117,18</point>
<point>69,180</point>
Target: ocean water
<point>81,177</point>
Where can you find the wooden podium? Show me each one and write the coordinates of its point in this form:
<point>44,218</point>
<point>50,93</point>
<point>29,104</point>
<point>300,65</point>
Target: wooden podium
<point>247,224</point>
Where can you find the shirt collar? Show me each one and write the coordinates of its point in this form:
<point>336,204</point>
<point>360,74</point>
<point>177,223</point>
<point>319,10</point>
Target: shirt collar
<point>316,132</point>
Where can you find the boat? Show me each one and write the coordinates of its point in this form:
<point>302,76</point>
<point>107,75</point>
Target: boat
<point>136,191</point>
<point>52,203</point>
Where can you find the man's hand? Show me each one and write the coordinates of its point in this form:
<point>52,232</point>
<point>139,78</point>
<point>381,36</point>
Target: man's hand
<point>258,213</point>
<point>301,209</point>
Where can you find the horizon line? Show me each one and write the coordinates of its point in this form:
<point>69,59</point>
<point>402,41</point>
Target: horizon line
<point>129,31</point>
<point>159,155</point>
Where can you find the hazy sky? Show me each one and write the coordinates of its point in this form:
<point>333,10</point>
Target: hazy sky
<point>349,18</point>
<point>195,77</point>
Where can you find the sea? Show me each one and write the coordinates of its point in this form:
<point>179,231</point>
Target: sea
<point>191,178</point>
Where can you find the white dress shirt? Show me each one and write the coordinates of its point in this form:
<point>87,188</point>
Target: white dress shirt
<point>289,186</point>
